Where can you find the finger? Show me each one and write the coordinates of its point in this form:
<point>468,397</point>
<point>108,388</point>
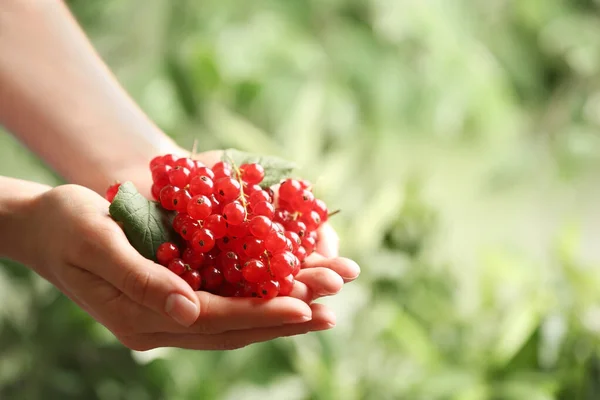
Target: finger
<point>328,241</point>
<point>302,292</point>
<point>323,319</point>
<point>110,257</point>
<point>344,267</point>
<point>321,281</point>
<point>221,314</point>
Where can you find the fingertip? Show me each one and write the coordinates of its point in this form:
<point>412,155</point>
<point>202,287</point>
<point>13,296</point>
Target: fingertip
<point>323,316</point>
<point>181,309</point>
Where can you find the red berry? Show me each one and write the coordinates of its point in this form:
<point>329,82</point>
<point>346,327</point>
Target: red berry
<point>234,213</point>
<point>203,241</point>
<point>204,171</point>
<point>188,229</point>
<point>311,219</point>
<point>275,242</point>
<point>181,200</point>
<point>178,221</point>
<point>166,197</point>
<point>251,189</point>
<point>294,238</point>
<point>227,290</point>
<point>309,243</point>
<point>198,164</point>
<point>225,243</point>
<point>278,227</point>
<point>282,264</point>
<point>186,162</point>
<point>155,190</point>
<point>158,160</point>
<point>233,272</point>
<point>321,208</point>
<point>238,231</point>
<point>226,258</point>
<point>296,226</point>
<point>253,247</point>
<point>217,225</point>
<point>289,189</point>
<point>193,279</point>
<point>160,174</point>
<point>260,226</point>
<point>212,278</point>
<point>192,258</point>
<point>112,191</point>
<point>300,254</point>
<point>170,159</point>
<point>259,196</point>
<point>166,252</point>
<point>199,207</point>
<point>179,176</point>
<point>303,201</point>
<point>268,289</point>
<point>304,184</point>
<point>227,189</point>
<point>286,285</point>
<point>252,173</point>
<point>250,290</point>
<point>201,184</point>
<point>177,266</point>
<point>264,208</point>
<point>255,271</point>
<point>221,169</point>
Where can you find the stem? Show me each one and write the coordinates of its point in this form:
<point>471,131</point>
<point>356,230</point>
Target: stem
<point>331,214</point>
<point>238,176</point>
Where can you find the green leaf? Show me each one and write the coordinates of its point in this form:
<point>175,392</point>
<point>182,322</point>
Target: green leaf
<point>276,168</point>
<point>146,224</point>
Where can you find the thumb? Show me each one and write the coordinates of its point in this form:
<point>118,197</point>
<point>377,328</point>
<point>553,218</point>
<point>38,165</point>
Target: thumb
<point>146,282</point>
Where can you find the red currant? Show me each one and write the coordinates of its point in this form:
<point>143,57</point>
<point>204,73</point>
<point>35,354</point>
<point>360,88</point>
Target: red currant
<point>260,226</point>
<point>166,252</point>
<point>192,258</point>
<point>204,171</point>
<point>296,226</point>
<point>321,208</point>
<point>249,190</point>
<point>177,266</point>
<point>199,207</point>
<point>253,247</point>
<point>166,197</point>
<point>170,159</point>
<point>178,221</point>
<point>233,272</point>
<point>201,184</point>
<point>259,196</point>
<point>238,231</point>
<point>186,162</point>
<point>155,190</point>
<point>282,264</point>
<point>275,242</point>
<point>264,208</point>
<point>255,271</point>
<point>212,278</point>
<point>268,289</point>
<point>181,200</point>
<point>252,173</point>
<point>234,213</point>
<point>158,160</point>
<point>227,189</point>
<point>300,254</point>
<point>311,219</point>
<point>217,225</point>
<point>221,169</point>
<point>112,191</point>
<point>303,201</point>
<point>286,285</point>
<point>160,174</point>
<point>309,243</point>
<point>294,238</point>
<point>179,176</point>
<point>188,229</point>
<point>289,189</point>
<point>203,241</point>
<point>250,290</point>
<point>193,279</point>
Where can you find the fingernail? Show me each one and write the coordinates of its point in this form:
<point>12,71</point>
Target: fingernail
<point>353,266</point>
<point>181,309</point>
<point>299,319</point>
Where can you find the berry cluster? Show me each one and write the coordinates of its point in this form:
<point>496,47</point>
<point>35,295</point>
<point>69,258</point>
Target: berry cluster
<point>238,239</point>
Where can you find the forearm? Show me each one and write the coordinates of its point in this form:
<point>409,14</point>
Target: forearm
<point>16,198</point>
<point>58,98</point>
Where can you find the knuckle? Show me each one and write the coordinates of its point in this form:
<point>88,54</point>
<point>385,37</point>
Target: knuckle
<point>136,284</point>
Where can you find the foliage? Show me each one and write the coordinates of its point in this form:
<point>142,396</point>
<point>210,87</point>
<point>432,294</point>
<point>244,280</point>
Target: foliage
<point>459,138</point>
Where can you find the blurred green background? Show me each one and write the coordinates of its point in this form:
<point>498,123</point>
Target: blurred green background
<point>460,138</point>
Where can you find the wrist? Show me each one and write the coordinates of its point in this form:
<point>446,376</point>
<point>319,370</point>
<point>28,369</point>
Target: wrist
<point>16,201</point>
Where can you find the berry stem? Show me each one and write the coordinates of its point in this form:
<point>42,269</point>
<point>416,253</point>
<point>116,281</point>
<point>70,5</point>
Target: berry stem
<point>238,176</point>
<point>194,149</point>
<point>331,214</point>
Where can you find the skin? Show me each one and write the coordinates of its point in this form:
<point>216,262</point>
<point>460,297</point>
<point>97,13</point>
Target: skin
<point>59,99</point>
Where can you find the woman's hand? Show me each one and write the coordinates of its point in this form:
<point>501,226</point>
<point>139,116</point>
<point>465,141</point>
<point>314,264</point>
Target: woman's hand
<point>73,242</point>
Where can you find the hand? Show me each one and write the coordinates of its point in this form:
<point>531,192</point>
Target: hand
<point>80,249</point>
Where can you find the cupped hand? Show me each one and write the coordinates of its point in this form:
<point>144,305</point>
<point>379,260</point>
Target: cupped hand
<point>82,251</point>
